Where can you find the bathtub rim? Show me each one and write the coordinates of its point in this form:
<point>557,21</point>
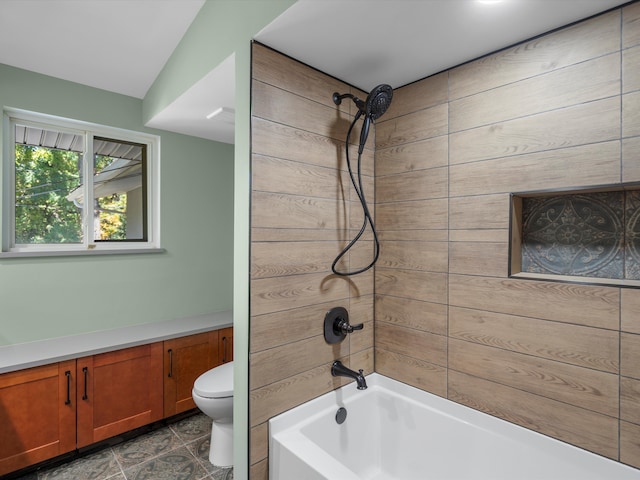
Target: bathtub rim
<point>307,412</point>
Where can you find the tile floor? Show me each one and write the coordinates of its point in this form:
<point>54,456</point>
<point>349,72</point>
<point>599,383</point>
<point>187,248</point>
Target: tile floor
<point>179,451</point>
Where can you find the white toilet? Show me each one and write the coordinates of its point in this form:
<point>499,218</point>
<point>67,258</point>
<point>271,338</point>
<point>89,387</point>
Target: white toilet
<point>213,394</point>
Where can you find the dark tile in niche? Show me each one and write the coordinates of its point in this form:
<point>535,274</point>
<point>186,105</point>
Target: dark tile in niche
<point>580,235</point>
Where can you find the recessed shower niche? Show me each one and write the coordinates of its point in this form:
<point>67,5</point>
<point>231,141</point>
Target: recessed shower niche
<point>577,236</point>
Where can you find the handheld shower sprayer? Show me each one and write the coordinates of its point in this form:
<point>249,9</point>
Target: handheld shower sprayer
<point>372,108</point>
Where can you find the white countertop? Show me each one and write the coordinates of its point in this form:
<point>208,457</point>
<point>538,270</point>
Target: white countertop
<point>33,354</point>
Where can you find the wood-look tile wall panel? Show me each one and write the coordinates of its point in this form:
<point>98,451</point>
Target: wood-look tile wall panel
<point>261,445</point>
<point>479,258</point>
<point>630,306</point>
<point>430,256</point>
<point>588,165</point>
<point>301,217</point>
<point>419,95</point>
<point>425,375</point>
<point>273,68</point>
<point>630,164</point>
<point>276,175</point>
<point>270,259</point>
<point>550,417</point>
<point>484,235</point>
<point>279,210</point>
<point>578,304</point>
<point>479,212</point>
<point>412,313</point>
<point>630,69</point>
<point>581,42</point>
<point>584,82</point>
<point>416,184</point>
<point>269,366</point>
<point>280,106</point>
<point>593,348</point>
<point>267,330</point>
<point>542,115</point>
<point>413,343</point>
<point>579,386</point>
<point>418,285</point>
<point>413,235</point>
<point>260,470</point>
<point>630,400</point>
<point>630,443</point>
<point>631,25</point>
<point>557,112</point>
<point>597,121</point>
<point>428,214</point>
<point>630,355</point>
<point>429,153</point>
<point>631,114</point>
<point>427,123</point>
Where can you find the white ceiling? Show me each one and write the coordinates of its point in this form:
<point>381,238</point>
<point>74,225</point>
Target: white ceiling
<point>115,45</point>
<point>122,45</point>
<point>369,42</point>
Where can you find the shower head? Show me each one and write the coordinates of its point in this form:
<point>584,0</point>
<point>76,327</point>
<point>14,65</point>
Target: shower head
<point>377,103</point>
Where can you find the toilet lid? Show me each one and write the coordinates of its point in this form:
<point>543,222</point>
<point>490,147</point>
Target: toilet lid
<point>216,383</point>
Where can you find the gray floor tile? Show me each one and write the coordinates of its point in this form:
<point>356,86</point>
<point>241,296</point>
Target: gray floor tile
<point>146,447</point>
<point>176,465</point>
<point>98,466</point>
<point>178,452</point>
<point>193,427</point>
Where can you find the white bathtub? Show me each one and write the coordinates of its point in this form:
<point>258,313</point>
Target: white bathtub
<point>395,431</point>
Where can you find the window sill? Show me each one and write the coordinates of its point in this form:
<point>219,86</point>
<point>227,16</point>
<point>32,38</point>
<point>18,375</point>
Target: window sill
<point>80,253</point>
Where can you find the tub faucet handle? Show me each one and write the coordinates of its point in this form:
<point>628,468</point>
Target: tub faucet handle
<point>337,326</point>
<point>343,325</point>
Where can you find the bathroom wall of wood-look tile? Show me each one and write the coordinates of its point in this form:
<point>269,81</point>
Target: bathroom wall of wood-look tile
<point>303,214</point>
<point>557,112</point>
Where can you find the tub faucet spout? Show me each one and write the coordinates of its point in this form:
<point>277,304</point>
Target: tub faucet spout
<point>339,370</point>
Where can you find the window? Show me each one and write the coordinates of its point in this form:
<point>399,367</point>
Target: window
<point>71,187</point>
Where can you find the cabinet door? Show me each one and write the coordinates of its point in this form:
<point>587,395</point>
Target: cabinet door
<point>226,345</point>
<point>37,415</point>
<point>118,391</point>
<point>185,359</point>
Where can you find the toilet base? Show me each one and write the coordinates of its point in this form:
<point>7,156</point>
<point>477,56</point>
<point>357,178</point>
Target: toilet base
<point>221,451</point>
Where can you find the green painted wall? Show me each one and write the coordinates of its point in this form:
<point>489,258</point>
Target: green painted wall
<point>43,298</point>
<point>205,208</point>
<point>223,28</point>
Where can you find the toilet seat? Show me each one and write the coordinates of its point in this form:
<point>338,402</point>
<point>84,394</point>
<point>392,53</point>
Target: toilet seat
<point>216,383</point>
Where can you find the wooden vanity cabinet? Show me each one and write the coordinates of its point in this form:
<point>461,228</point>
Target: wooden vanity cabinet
<point>53,409</point>
<point>118,391</point>
<point>37,414</point>
<point>185,359</point>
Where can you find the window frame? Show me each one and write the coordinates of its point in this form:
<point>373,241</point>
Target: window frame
<point>88,130</point>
